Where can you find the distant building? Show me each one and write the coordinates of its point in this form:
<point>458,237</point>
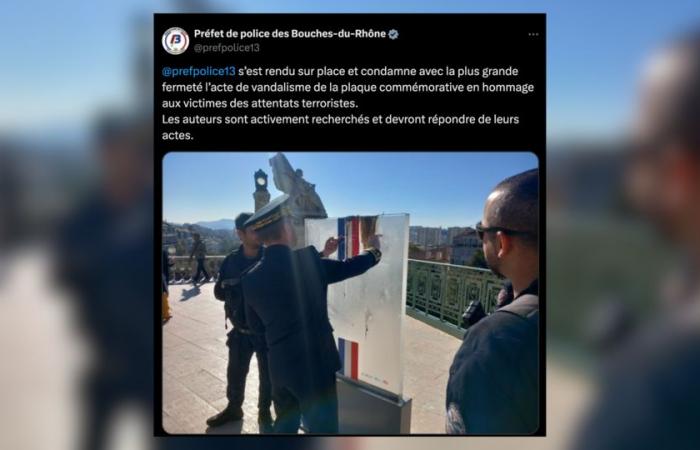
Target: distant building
<point>432,237</point>
<point>416,252</point>
<point>413,235</point>
<point>452,232</point>
<point>464,246</point>
<point>426,237</point>
<point>441,253</point>
<point>443,237</point>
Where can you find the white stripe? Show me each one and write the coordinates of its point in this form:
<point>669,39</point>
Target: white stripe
<point>348,358</point>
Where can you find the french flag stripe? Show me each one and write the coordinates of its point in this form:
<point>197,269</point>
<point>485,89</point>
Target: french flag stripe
<point>353,358</point>
<point>348,237</point>
<point>355,236</point>
<point>348,359</point>
<point>349,355</point>
<point>341,233</point>
<point>341,350</point>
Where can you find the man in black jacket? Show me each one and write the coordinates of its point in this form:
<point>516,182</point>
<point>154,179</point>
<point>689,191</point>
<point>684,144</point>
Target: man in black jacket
<point>286,296</point>
<point>648,396</point>
<point>242,342</point>
<point>494,379</point>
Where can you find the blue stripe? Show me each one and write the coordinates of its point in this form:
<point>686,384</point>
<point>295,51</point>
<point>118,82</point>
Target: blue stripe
<point>341,244</point>
<point>341,350</point>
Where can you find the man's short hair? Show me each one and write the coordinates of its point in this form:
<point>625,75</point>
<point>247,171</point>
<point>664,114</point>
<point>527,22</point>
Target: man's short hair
<point>271,232</point>
<point>241,220</point>
<point>517,208</point>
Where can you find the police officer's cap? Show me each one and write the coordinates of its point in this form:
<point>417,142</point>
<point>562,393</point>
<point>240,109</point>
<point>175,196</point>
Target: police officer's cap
<point>271,213</point>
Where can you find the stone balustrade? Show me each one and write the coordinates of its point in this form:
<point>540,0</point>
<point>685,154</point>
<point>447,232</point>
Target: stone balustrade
<point>183,268</point>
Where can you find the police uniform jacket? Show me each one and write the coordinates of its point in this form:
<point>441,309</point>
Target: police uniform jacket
<point>228,285</point>
<point>286,296</point>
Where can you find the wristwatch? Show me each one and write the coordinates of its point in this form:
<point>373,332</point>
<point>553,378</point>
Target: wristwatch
<point>376,253</point>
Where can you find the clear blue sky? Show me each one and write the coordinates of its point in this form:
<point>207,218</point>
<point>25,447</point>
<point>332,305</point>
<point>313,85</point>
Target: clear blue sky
<point>445,189</point>
<point>70,58</point>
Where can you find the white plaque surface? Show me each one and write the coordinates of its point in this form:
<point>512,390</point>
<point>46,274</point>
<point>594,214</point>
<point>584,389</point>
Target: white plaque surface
<point>367,311</point>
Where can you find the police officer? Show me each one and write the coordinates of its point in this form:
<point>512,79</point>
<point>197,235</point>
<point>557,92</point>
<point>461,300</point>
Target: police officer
<point>105,258</point>
<point>493,386</point>
<point>241,342</point>
<point>286,296</point>
<point>649,397</point>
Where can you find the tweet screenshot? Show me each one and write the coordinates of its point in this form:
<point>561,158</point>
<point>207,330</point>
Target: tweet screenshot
<point>352,231</point>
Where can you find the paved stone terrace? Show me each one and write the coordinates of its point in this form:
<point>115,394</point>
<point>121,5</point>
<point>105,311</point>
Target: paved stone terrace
<point>194,366</point>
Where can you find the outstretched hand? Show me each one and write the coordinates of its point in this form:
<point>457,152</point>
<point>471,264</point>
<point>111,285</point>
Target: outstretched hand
<point>373,241</point>
<point>331,246</point>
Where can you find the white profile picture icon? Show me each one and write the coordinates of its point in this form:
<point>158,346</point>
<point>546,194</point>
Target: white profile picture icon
<point>175,40</point>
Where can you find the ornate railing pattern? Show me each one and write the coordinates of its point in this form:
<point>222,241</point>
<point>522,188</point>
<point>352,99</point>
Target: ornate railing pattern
<point>440,291</point>
<point>443,291</point>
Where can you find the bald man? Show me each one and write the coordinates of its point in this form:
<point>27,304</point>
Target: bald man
<point>493,385</point>
<point>649,395</point>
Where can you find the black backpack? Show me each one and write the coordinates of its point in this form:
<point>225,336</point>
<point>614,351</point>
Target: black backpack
<point>526,307</point>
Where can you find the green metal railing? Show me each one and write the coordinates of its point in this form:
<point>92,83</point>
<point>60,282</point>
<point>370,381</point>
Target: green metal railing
<point>439,293</point>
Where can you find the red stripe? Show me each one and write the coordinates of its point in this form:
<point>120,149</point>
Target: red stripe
<point>355,236</point>
<point>353,354</point>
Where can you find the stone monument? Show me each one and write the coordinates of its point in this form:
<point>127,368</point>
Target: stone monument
<point>305,203</point>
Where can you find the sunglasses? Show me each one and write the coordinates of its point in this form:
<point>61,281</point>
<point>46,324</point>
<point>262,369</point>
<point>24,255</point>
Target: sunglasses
<point>480,230</point>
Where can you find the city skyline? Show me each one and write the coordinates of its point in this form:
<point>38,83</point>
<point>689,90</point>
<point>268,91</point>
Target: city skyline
<point>446,189</point>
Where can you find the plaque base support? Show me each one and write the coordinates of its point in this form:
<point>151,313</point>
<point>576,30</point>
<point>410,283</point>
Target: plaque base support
<point>363,409</point>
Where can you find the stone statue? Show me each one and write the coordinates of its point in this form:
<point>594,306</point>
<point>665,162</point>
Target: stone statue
<point>304,201</point>
<point>304,198</point>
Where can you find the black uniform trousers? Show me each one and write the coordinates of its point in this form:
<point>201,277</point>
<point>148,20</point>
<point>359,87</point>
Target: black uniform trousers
<point>200,270</point>
<point>286,298</point>
<point>320,408</point>
<point>240,351</point>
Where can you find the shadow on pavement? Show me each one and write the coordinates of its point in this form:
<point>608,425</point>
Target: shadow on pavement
<point>228,428</point>
<point>187,294</point>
